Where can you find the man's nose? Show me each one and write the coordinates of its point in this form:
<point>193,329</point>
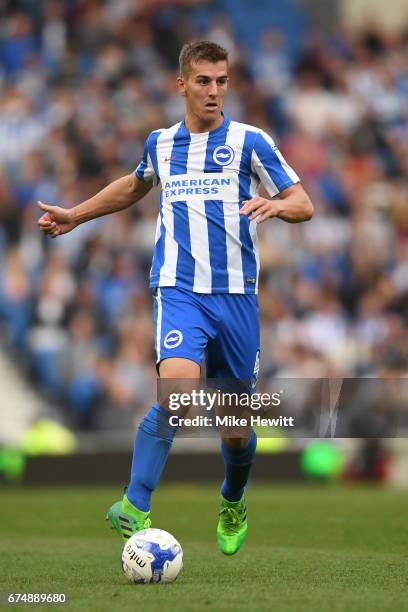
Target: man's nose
<point>213,88</point>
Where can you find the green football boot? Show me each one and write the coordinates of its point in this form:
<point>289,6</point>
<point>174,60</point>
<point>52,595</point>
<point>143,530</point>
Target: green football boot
<point>126,519</point>
<point>232,526</point>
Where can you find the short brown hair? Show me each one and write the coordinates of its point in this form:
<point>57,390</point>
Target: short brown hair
<point>200,50</point>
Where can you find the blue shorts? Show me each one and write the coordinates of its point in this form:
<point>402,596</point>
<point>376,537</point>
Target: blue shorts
<point>223,328</point>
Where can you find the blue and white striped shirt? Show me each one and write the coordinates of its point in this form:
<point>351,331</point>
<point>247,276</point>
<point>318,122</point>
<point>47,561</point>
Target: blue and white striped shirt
<point>202,242</point>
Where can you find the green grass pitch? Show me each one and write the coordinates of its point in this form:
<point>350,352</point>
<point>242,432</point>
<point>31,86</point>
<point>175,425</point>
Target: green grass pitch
<point>314,549</point>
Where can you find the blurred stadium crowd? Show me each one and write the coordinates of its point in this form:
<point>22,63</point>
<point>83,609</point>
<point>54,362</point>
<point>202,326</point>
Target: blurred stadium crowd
<point>83,83</point>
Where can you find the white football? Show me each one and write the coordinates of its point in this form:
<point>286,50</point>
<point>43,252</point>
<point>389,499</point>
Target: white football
<point>152,555</point>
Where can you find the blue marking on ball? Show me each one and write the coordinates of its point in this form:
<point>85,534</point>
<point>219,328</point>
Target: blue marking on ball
<point>160,557</point>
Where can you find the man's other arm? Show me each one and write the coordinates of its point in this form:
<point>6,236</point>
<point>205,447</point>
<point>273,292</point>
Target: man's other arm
<point>118,195</point>
<point>292,205</point>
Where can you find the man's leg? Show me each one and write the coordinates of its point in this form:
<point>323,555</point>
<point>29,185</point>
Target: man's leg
<point>233,355</point>
<point>238,454</point>
<point>180,341</point>
<point>232,528</point>
<point>151,448</point>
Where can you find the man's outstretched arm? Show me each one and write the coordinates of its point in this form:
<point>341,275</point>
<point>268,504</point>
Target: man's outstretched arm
<point>117,196</point>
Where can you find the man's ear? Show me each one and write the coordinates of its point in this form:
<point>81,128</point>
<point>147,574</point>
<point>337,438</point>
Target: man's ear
<point>181,86</point>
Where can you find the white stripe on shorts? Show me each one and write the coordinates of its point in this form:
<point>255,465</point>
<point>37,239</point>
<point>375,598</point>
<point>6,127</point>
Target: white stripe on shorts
<point>159,323</point>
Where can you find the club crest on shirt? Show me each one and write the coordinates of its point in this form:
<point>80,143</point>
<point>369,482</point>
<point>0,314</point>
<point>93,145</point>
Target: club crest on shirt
<point>223,155</point>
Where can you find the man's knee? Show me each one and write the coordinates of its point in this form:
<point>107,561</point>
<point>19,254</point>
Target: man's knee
<point>235,442</point>
<point>179,368</point>
<point>178,378</point>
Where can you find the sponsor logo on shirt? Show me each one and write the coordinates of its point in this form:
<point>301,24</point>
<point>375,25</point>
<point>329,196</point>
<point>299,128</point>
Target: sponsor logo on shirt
<point>185,186</point>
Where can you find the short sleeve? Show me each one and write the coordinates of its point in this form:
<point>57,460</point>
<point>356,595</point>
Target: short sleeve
<point>147,170</point>
<point>270,166</point>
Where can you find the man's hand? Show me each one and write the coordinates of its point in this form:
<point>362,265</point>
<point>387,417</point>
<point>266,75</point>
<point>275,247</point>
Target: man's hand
<point>260,209</point>
<point>55,221</point>
<point>292,205</point>
<point>119,195</point>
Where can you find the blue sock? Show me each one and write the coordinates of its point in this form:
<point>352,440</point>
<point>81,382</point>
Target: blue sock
<point>237,462</point>
<point>152,445</point>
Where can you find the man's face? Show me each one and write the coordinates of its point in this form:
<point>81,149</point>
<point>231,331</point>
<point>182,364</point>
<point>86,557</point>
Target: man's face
<point>204,87</point>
